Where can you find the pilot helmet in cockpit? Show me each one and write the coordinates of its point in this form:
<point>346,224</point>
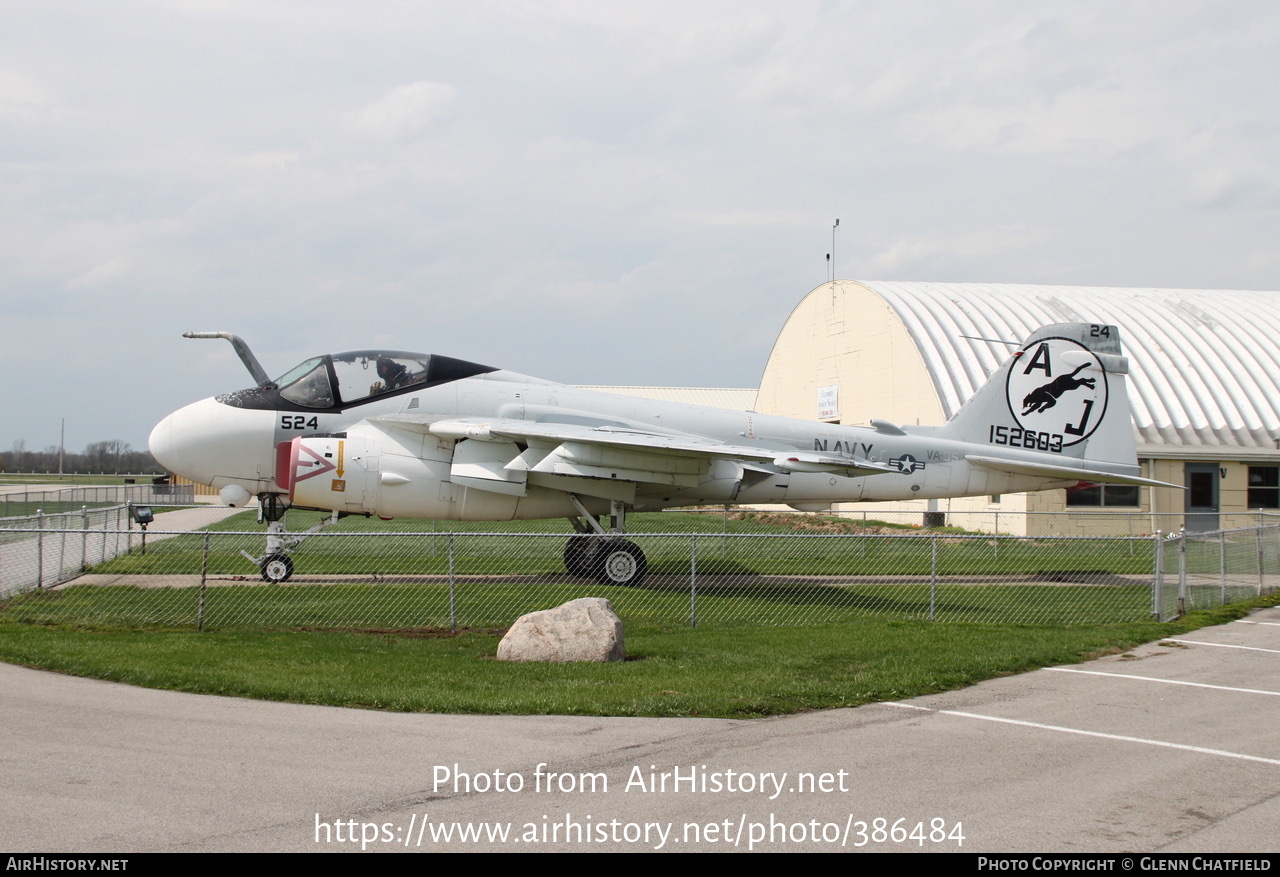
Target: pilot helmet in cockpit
<point>391,372</point>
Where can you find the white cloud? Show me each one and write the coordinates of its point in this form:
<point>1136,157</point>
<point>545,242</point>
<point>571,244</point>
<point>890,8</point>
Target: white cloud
<point>927,258</point>
<point>101,275</point>
<point>406,111</point>
<point>20,96</point>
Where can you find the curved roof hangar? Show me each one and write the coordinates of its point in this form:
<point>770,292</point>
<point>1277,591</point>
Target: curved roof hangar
<point>1205,364</point>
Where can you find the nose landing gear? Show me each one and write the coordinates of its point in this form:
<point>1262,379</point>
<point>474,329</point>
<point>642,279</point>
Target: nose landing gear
<point>274,564</point>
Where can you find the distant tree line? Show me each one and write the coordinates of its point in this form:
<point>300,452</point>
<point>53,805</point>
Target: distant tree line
<point>113,457</point>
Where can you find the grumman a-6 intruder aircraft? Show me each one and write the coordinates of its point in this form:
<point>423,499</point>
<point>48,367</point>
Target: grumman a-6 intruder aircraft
<point>395,434</point>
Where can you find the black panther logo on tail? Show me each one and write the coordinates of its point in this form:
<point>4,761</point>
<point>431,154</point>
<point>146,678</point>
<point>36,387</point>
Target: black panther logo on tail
<point>1045,397</point>
<point>1056,386</point>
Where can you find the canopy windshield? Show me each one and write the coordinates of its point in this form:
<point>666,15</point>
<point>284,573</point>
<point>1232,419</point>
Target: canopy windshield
<point>341,379</point>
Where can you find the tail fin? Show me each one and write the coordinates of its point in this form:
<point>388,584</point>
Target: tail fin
<point>1062,392</point>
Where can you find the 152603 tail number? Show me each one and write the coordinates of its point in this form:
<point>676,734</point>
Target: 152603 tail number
<point>1017,437</point>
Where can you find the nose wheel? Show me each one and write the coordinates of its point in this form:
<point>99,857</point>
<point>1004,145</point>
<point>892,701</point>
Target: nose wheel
<point>276,568</point>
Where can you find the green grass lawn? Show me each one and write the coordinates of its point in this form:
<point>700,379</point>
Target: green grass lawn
<point>734,671</point>
<point>495,603</point>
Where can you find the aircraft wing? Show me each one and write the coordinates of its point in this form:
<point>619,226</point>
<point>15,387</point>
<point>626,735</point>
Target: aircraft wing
<point>502,454</point>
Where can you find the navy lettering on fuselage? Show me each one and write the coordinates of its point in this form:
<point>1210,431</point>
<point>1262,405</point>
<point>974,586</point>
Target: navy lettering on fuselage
<point>843,448</point>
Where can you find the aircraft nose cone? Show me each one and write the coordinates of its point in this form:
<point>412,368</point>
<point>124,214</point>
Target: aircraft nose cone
<point>161,443</point>
<point>217,444</point>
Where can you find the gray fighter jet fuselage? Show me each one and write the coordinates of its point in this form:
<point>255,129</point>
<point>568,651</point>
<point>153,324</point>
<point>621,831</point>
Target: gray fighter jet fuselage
<point>400,434</point>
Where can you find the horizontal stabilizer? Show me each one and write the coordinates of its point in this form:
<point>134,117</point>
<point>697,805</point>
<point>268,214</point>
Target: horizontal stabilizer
<point>1065,473</point>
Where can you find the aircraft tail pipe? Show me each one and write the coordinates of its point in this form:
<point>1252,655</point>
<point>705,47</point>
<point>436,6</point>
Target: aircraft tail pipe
<point>242,350</point>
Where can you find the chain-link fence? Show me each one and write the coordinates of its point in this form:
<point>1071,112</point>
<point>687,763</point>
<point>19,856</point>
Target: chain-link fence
<point>1202,570</point>
<point>28,500</point>
<point>1014,522</point>
<point>42,550</point>
<point>396,579</point>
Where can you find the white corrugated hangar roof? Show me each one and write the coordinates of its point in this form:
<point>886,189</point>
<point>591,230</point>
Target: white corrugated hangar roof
<point>1205,363</point>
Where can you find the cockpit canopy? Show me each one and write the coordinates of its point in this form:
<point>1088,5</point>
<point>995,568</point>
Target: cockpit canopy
<point>335,381</point>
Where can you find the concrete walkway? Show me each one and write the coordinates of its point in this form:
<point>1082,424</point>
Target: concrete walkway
<point>170,524</point>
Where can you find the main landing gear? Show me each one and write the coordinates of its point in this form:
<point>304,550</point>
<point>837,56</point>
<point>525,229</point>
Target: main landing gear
<point>275,565</point>
<point>603,554</point>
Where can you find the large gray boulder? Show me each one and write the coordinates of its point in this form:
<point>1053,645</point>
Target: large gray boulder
<point>581,630</point>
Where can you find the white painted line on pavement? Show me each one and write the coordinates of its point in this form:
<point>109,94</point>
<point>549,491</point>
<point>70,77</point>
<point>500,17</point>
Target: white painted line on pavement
<point>1165,681</point>
<point>1196,642</point>
<point>1162,743</point>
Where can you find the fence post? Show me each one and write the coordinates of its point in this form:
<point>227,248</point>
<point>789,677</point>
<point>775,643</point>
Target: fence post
<point>39,549</point>
<point>1222,565</point>
<point>933,579</point>
<point>62,549</point>
<point>115,545</point>
<point>1257,541</point>
<point>204,576</point>
<point>1157,580</point>
<point>1182,571</point>
<point>84,538</point>
<point>453,597</point>
<point>693,581</point>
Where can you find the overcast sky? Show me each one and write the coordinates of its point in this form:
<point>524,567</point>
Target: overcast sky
<point>591,192</point>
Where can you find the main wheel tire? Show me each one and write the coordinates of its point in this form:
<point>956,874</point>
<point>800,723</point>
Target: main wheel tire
<point>276,568</point>
<point>619,562</point>
<point>578,552</point>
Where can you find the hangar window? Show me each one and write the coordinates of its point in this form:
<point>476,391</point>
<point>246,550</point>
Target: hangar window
<point>1264,487</point>
<point>1104,495</point>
